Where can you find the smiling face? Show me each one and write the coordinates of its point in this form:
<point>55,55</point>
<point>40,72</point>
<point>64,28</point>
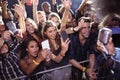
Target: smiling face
<point>55,20</point>
<point>32,48</point>
<point>30,26</point>
<point>51,33</point>
<point>50,30</point>
<point>85,31</point>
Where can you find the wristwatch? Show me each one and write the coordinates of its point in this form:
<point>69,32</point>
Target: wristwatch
<point>74,29</point>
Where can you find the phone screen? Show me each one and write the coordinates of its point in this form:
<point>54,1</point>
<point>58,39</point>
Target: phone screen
<point>11,26</point>
<point>45,44</point>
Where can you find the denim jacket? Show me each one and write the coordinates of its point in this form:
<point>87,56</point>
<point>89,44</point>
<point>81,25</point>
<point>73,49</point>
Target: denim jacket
<point>116,57</point>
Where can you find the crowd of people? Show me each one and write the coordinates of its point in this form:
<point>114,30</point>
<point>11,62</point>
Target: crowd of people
<point>22,55</point>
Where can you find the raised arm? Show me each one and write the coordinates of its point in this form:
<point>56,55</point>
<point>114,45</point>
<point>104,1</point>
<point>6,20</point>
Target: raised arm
<point>54,6</point>
<point>20,10</point>
<point>67,5</point>
<point>81,6</point>
<point>35,15</point>
<point>4,9</point>
<point>54,2</point>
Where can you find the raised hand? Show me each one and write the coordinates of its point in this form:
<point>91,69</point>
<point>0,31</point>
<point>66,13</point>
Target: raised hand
<point>67,4</point>
<point>19,35</point>
<point>6,35</point>
<point>23,2</point>
<point>84,1</point>
<point>35,3</point>
<point>4,4</point>
<point>19,9</point>
<point>44,54</point>
<point>80,24</point>
<point>99,46</point>
<point>53,2</point>
<point>65,45</point>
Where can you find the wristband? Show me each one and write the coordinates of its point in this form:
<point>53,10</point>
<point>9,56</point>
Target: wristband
<point>84,69</point>
<point>35,62</point>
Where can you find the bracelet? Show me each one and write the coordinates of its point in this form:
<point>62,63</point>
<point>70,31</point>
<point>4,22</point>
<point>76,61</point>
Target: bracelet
<point>35,62</point>
<point>84,69</point>
<point>74,30</point>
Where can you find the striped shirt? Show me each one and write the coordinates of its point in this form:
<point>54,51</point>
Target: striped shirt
<point>9,68</point>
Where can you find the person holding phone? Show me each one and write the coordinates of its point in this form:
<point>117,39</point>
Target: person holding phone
<point>32,30</point>
<point>113,58</point>
<point>58,47</point>
<point>32,59</point>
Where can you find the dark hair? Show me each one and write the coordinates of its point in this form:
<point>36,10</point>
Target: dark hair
<point>45,3</point>
<point>24,45</point>
<point>37,32</point>
<point>47,25</point>
<point>107,6</point>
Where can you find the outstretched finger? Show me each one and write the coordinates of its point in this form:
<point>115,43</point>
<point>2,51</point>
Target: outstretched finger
<point>19,2</point>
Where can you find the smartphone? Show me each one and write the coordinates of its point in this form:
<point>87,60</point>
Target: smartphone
<point>45,44</point>
<point>104,35</point>
<point>64,35</point>
<point>11,26</point>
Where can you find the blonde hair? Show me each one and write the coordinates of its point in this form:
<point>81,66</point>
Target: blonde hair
<point>53,14</point>
<point>29,20</point>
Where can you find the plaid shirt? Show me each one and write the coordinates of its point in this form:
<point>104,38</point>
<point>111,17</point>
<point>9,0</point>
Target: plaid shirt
<point>9,69</point>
